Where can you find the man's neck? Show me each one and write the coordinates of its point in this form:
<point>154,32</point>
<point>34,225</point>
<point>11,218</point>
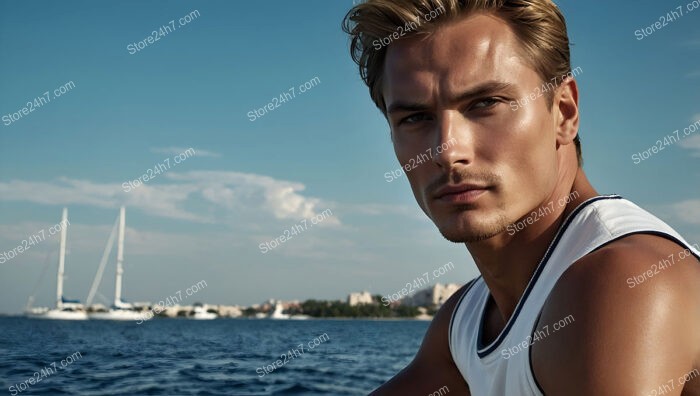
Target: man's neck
<point>507,262</point>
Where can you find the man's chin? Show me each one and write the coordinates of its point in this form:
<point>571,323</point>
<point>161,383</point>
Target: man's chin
<point>470,233</point>
<point>468,237</point>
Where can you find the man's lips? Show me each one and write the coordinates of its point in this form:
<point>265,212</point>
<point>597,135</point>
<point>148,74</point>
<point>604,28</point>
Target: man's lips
<point>460,193</point>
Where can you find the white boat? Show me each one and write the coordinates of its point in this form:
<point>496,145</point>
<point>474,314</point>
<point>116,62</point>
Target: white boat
<point>277,314</point>
<point>63,313</point>
<point>199,313</point>
<point>117,314</point>
<point>119,310</point>
<point>65,309</point>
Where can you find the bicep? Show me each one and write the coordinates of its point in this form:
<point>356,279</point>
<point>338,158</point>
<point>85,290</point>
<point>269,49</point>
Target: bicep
<point>622,340</point>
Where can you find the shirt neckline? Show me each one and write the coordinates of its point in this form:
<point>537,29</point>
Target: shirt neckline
<point>485,350</point>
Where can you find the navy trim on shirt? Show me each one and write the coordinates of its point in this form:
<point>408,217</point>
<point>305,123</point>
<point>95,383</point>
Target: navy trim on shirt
<point>655,233</point>
<point>484,351</point>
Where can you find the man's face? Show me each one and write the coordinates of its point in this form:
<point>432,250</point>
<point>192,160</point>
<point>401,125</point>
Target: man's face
<point>449,97</point>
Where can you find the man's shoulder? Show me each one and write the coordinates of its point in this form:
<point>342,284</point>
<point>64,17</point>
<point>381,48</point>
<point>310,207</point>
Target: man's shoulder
<point>638,272</point>
<point>625,268</point>
<point>631,303</point>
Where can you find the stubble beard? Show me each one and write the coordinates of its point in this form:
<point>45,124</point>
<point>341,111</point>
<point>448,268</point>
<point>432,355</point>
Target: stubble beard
<point>475,232</point>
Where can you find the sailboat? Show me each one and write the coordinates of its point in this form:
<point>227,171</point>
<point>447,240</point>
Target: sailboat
<point>120,310</point>
<point>65,309</point>
<point>277,313</point>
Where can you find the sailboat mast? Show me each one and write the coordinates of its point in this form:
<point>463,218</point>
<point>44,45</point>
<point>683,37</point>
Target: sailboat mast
<point>120,258</point>
<point>61,259</point>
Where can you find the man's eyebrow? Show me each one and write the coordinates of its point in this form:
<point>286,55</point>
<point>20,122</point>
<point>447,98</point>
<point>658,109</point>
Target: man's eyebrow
<point>484,89</point>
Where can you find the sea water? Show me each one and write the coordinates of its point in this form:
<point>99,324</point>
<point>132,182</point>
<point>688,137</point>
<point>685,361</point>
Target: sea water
<point>215,357</point>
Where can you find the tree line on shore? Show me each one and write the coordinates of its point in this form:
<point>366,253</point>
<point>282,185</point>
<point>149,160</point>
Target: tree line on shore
<point>341,309</point>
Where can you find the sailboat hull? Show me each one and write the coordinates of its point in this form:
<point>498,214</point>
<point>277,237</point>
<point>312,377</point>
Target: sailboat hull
<point>57,314</point>
<point>121,314</point>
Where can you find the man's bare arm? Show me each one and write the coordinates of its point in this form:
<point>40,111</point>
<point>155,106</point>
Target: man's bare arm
<point>629,336</point>
<point>432,369</point>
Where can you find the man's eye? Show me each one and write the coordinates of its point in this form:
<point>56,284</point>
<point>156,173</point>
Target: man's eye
<point>414,118</point>
<point>485,103</point>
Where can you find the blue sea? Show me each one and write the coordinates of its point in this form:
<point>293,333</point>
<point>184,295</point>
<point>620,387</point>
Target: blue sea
<point>216,357</point>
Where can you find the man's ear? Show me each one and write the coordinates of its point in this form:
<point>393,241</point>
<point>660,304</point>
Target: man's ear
<point>566,113</point>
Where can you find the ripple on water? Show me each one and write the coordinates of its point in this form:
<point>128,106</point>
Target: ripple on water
<point>220,357</point>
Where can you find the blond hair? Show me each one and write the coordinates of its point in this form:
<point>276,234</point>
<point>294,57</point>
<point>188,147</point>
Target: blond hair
<point>538,24</point>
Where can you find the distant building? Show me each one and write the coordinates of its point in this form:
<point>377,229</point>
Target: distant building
<point>432,296</point>
<point>360,298</point>
<point>229,311</point>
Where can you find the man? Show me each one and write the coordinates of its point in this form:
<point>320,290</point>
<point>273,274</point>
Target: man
<point>579,294</point>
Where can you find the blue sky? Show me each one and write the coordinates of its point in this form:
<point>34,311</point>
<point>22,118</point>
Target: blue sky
<point>328,148</point>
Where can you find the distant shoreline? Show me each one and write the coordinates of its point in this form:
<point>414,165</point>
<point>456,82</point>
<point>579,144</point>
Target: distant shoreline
<point>427,319</point>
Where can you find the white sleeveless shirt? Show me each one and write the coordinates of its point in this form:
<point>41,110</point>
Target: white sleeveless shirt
<point>503,368</point>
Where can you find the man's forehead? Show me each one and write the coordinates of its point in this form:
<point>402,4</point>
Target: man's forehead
<point>478,48</point>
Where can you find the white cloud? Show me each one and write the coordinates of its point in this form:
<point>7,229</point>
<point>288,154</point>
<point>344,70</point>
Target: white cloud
<point>693,142</point>
<point>157,200</point>
<point>228,197</point>
<point>250,192</point>
<point>179,150</point>
<point>688,211</point>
